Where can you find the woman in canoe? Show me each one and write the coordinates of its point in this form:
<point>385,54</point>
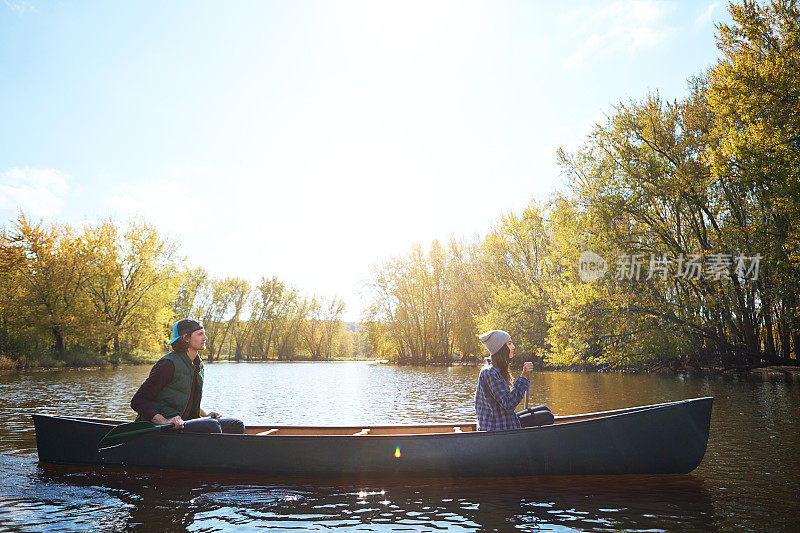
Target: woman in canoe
<point>172,392</point>
<point>496,397</point>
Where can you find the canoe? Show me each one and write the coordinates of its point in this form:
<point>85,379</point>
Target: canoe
<point>665,438</point>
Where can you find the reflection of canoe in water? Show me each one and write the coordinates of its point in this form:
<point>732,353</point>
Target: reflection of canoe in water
<point>655,439</point>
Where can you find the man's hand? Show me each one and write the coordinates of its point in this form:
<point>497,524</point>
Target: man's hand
<point>176,421</point>
<point>527,368</point>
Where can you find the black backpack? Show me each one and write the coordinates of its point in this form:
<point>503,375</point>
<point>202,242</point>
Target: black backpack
<point>539,415</point>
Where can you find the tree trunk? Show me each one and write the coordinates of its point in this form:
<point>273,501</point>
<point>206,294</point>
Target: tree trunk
<point>210,353</point>
<point>269,339</point>
<point>58,339</point>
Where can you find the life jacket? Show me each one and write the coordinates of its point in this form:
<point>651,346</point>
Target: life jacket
<point>174,397</point>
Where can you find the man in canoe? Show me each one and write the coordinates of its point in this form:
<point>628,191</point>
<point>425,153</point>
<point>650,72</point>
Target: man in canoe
<point>172,392</point>
<point>496,397</point>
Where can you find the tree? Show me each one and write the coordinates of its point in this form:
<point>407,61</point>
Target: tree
<point>754,153</point>
<point>269,294</point>
<point>312,330</point>
<point>468,291</point>
<point>49,268</point>
<point>221,297</point>
<point>131,277</point>
<point>413,305</point>
<point>514,264</point>
<point>239,290</point>
<point>190,298</point>
<point>289,320</point>
<point>332,325</point>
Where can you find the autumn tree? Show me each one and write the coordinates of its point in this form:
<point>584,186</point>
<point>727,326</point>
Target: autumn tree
<point>220,299</point>
<point>131,277</point>
<point>413,305</point>
<point>754,155</point>
<point>191,298</point>
<point>48,266</point>
<point>515,265</point>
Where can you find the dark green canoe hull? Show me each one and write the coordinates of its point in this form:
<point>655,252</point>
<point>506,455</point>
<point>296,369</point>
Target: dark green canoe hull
<point>658,439</point>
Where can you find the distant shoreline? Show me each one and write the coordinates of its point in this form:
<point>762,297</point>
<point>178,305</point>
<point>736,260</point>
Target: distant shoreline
<point>770,371</point>
<point>148,359</point>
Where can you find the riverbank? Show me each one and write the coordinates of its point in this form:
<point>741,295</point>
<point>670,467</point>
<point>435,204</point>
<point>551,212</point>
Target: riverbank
<point>80,360</point>
<point>74,360</point>
<point>667,370</point>
<point>672,369</point>
<point>660,368</point>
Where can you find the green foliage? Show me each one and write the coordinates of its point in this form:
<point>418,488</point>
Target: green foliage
<point>515,264</point>
<point>754,151</point>
<point>323,328</point>
<point>422,305</point>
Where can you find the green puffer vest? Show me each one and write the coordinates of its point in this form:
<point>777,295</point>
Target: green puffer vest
<point>172,399</point>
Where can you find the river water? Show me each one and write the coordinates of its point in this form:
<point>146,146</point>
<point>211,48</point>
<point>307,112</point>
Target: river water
<point>748,481</point>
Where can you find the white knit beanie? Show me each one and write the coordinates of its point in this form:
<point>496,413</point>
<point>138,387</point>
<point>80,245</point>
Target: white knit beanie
<point>494,340</point>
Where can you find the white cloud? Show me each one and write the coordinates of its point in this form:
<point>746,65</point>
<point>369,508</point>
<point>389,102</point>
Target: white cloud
<point>36,191</point>
<point>618,27</point>
<point>20,7</point>
<point>706,15</point>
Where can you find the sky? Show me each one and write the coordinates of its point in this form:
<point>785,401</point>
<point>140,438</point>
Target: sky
<point>312,140</point>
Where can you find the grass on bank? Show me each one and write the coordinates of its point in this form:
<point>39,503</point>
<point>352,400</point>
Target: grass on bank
<point>73,359</point>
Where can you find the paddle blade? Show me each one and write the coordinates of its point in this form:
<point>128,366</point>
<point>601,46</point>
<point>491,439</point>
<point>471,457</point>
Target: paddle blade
<point>127,432</point>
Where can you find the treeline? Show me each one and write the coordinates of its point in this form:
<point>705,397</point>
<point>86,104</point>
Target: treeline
<point>111,293</point>
<point>679,238</point>
<point>270,320</point>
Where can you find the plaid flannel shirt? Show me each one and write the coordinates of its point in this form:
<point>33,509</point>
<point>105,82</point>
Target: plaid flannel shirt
<point>495,402</point>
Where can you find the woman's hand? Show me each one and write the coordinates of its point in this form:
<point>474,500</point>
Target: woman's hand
<point>210,414</point>
<point>527,368</point>
<point>176,421</point>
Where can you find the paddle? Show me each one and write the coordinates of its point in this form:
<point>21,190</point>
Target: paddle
<point>127,432</point>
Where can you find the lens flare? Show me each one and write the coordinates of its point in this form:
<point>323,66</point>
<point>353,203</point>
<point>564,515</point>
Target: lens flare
<point>397,452</point>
